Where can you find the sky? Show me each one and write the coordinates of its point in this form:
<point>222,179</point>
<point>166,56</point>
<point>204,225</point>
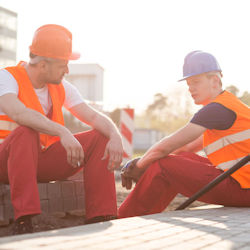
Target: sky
<point>141,44</point>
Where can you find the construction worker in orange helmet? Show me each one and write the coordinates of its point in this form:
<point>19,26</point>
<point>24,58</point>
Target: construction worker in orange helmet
<point>35,144</point>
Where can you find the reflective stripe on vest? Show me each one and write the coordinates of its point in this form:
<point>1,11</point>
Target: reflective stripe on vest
<point>224,141</point>
<point>6,125</point>
<point>227,165</point>
<point>225,148</point>
<point>29,98</point>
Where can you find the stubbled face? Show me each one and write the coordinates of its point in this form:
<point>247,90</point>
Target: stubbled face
<point>55,71</point>
<point>201,88</point>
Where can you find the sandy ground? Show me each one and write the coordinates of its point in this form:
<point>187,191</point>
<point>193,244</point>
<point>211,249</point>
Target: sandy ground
<point>46,222</point>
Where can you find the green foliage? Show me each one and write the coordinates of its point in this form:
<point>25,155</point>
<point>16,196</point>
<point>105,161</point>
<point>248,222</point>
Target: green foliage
<point>167,113</point>
<point>234,90</point>
<point>115,116</point>
<point>245,98</point>
<point>73,124</point>
<point>171,112</point>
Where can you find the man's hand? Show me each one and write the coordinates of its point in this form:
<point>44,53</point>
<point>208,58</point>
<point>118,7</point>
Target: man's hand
<point>74,150</point>
<point>130,172</point>
<point>114,150</point>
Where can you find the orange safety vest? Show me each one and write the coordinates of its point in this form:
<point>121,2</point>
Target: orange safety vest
<point>224,148</point>
<point>28,97</point>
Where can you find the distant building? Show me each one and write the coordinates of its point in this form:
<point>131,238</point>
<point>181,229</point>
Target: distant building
<point>8,37</point>
<point>144,138</point>
<point>88,78</point>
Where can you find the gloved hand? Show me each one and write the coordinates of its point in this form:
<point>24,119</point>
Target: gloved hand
<point>130,172</point>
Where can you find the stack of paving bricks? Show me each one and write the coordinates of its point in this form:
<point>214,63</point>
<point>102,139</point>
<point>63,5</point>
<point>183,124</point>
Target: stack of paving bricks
<point>58,196</point>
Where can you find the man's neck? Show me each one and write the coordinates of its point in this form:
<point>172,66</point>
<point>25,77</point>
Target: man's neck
<point>33,76</point>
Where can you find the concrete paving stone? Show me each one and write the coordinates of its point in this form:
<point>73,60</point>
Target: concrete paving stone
<point>194,245</point>
<point>71,243</point>
<point>137,222</point>
<point>224,244</point>
<point>6,195</point>
<point>2,189</point>
<point>185,236</point>
<point>69,203</point>
<point>8,210</point>
<point>109,241</point>
<point>79,187</point>
<point>135,232</point>
<point>80,202</point>
<point>2,217</point>
<point>207,222</point>
<point>244,225</point>
<point>116,244</point>
<point>55,205</point>
<point>198,244</point>
<point>54,189</point>
<point>68,189</point>
<point>125,233</point>
<point>228,233</point>
<point>219,225</point>
<point>44,206</point>
<point>243,237</point>
<point>163,243</point>
<point>191,219</point>
<point>1,200</point>
<point>244,247</point>
<point>172,233</point>
<point>43,190</point>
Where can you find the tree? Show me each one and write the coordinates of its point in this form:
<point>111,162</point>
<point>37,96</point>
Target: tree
<point>167,112</point>
<point>234,90</point>
<point>115,116</point>
<point>245,96</point>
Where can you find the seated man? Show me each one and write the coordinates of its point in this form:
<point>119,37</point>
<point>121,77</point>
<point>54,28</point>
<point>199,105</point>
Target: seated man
<point>221,127</point>
<point>35,144</point>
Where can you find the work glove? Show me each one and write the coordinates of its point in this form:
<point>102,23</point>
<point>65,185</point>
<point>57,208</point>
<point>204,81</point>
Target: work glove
<point>131,173</point>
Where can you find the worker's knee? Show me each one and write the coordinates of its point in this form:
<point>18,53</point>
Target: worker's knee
<point>25,133</point>
<point>92,135</point>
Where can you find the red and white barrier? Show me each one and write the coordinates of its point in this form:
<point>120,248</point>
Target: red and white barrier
<point>127,130</point>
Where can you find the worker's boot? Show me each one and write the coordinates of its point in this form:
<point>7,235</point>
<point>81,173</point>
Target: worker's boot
<point>22,225</point>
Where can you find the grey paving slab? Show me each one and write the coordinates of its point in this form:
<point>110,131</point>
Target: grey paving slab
<point>210,228</point>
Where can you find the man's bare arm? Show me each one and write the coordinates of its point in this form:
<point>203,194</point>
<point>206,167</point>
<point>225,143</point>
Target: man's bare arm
<point>18,112</point>
<point>102,123</point>
<point>182,137</point>
<point>193,146</point>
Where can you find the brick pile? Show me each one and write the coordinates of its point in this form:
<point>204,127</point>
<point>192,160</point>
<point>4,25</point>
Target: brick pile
<point>57,196</point>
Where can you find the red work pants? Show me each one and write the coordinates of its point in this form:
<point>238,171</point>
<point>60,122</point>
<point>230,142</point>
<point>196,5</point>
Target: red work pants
<point>185,173</point>
<point>23,163</point>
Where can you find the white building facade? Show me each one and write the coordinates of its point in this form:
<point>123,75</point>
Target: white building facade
<point>88,78</point>
<point>8,37</point>
<point>144,138</point>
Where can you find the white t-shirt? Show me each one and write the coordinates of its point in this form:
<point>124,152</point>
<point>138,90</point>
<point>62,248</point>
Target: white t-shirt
<point>8,84</point>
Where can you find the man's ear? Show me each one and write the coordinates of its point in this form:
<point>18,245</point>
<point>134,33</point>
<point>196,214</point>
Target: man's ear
<point>216,81</point>
<point>42,65</point>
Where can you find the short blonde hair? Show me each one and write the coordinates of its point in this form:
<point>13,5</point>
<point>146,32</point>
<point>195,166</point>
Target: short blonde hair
<point>215,73</point>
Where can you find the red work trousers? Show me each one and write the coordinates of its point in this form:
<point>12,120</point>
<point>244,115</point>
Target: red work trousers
<point>185,173</point>
<point>23,163</point>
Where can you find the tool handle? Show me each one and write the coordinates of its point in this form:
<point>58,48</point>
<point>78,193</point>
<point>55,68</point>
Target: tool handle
<point>214,182</point>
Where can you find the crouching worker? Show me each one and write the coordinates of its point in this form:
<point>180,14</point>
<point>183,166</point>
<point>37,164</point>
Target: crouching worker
<point>35,144</point>
<point>171,166</point>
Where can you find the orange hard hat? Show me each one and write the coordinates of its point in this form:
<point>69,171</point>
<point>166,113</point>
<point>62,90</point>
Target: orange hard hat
<point>53,41</point>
